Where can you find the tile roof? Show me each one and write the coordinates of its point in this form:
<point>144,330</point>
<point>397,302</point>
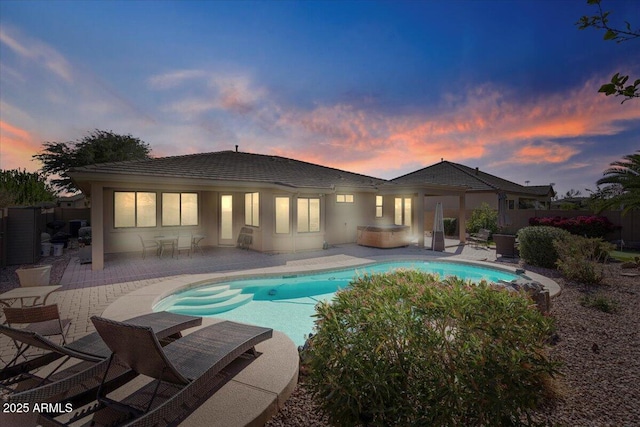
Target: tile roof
<point>449,173</point>
<point>237,166</point>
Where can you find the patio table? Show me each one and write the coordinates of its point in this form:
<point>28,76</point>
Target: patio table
<point>167,327</point>
<point>23,293</point>
<point>166,241</point>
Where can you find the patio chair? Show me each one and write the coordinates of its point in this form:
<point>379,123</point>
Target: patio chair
<point>482,236</point>
<point>148,244</point>
<point>44,320</point>
<point>184,244</point>
<point>184,370</point>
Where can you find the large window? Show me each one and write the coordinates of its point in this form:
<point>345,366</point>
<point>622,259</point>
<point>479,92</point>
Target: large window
<point>252,209</point>
<point>308,215</point>
<point>402,214</point>
<point>179,209</point>
<point>282,215</point>
<point>378,206</point>
<point>134,209</point>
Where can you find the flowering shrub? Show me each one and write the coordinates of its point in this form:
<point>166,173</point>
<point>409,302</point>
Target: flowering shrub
<point>407,348</point>
<point>536,245</point>
<point>587,226</point>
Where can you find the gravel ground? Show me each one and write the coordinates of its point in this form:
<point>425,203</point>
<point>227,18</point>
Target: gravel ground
<point>600,378</point>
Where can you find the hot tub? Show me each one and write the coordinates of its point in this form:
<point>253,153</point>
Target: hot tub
<point>384,236</point>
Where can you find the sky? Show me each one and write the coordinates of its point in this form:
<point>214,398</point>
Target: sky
<point>378,88</point>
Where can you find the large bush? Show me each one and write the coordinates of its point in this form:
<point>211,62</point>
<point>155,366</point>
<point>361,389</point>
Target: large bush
<point>536,245</point>
<point>581,259</point>
<point>587,226</point>
<point>484,216</point>
<point>405,349</point>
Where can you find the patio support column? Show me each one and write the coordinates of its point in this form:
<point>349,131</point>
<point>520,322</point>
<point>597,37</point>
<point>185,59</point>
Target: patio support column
<point>420,218</point>
<point>97,227</point>
<point>462,219</point>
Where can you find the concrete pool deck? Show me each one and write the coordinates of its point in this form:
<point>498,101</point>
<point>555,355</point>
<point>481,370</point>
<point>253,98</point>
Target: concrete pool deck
<point>260,389</point>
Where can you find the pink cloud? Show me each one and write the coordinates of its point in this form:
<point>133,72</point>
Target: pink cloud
<point>485,121</point>
<point>17,147</point>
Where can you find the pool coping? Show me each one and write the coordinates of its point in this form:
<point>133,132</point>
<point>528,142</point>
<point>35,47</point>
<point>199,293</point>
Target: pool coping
<point>256,393</point>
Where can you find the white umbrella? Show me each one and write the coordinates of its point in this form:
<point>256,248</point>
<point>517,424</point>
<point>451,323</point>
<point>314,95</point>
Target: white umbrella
<point>437,241</point>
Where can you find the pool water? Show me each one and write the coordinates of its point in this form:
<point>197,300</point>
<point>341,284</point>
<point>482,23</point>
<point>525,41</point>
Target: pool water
<point>287,303</point>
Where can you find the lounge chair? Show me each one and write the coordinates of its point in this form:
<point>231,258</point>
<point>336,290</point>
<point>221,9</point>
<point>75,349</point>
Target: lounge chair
<point>80,381</point>
<point>44,320</point>
<point>185,370</point>
<point>482,236</point>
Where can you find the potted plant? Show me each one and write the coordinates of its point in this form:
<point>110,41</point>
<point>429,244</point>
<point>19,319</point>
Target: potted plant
<point>34,275</point>
<point>84,245</point>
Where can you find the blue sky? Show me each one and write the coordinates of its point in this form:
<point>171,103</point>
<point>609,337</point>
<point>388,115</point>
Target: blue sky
<point>380,88</point>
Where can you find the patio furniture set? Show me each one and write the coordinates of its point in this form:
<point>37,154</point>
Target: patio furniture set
<point>181,242</point>
<point>185,369</point>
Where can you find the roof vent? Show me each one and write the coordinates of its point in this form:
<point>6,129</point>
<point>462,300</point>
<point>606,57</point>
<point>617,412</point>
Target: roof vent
<point>477,170</point>
<point>236,148</point>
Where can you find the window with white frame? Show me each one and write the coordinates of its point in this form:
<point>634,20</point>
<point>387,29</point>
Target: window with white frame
<point>179,209</point>
<point>134,209</point>
<point>252,209</point>
<point>344,198</point>
<point>308,215</point>
<point>282,215</point>
<point>379,206</point>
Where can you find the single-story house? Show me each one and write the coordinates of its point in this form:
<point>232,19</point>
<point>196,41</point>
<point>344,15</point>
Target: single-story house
<point>75,201</point>
<point>481,186</point>
<point>289,205</point>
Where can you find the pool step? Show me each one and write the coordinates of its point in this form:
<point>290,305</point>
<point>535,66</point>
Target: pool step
<point>207,299</point>
<point>214,308</point>
<point>206,290</point>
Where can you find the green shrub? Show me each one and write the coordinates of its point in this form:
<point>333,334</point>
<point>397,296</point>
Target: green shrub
<point>580,259</point>
<point>536,245</point>
<point>450,226</point>
<point>483,216</point>
<point>406,349</point>
<point>601,303</point>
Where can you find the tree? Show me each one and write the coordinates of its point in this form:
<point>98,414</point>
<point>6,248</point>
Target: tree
<point>22,188</point>
<point>622,182</point>
<point>97,147</point>
<point>618,85</point>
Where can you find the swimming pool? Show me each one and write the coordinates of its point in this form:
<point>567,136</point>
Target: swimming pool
<point>287,302</point>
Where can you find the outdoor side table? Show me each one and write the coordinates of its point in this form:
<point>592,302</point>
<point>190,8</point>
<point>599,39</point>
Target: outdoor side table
<point>38,293</point>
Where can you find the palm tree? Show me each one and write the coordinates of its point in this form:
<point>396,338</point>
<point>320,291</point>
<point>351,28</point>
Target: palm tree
<point>625,175</point>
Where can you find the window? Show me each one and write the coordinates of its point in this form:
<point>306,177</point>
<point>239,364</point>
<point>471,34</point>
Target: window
<point>134,209</point>
<point>402,214</point>
<point>344,198</point>
<point>308,215</point>
<point>179,209</point>
<point>512,204</point>
<point>252,209</point>
<point>379,206</point>
<point>282,215</point>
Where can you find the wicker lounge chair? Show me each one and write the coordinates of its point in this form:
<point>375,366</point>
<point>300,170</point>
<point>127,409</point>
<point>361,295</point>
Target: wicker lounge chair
<point>185,371</point>
<point>77,383</point>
